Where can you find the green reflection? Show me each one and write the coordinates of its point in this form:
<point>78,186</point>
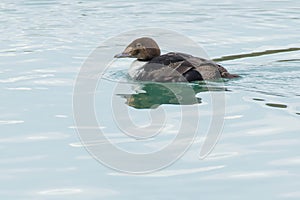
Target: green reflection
<point>152,95</point>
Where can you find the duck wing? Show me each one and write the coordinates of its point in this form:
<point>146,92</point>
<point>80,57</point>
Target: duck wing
<point>169,67</point>
<point>180,67</point>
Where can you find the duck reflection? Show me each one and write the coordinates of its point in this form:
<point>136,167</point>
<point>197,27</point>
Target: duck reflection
<point>152,95</point>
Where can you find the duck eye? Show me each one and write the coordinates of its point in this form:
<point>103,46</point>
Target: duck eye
<point>139,45</point>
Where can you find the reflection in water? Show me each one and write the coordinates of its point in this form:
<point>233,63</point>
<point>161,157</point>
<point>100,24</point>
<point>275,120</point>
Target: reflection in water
<point>276,105</point>
<point>152,95</point>
<point>255,54</point>
<point>258,99</point>
<point>288,60</point>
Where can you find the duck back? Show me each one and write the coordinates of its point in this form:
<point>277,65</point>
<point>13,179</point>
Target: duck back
<point>177,67</point>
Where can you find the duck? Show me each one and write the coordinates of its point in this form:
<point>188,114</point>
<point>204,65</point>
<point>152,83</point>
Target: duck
<point>169,67</point>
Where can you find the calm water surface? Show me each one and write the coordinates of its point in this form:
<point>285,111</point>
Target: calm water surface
<point>44,44</point>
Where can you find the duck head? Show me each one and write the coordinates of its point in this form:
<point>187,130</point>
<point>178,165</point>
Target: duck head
<point>142,48</point>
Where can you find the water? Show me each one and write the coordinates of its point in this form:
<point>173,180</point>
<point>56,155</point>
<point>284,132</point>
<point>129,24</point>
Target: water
<point>43,46</point>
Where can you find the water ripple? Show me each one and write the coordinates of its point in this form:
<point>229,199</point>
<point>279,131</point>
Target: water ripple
<point>6,122</point>
<point>248,175</point>
<point>61,191</point>
<point>177,172</point>
<point>35,137</point>
<point>24,78</point>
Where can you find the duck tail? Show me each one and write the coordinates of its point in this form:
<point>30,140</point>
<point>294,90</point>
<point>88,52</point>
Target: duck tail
<point>225,74</point>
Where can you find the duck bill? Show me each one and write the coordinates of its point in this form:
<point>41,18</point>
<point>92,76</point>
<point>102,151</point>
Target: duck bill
<point>123,55</point>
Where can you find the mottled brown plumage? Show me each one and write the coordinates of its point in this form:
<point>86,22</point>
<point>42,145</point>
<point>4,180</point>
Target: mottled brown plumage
<point>170,67</point>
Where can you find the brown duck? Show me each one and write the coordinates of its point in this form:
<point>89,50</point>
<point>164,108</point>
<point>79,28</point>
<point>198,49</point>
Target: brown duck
<point>170,67</point>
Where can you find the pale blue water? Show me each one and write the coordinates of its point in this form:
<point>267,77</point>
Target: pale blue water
<point>44,44</point>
